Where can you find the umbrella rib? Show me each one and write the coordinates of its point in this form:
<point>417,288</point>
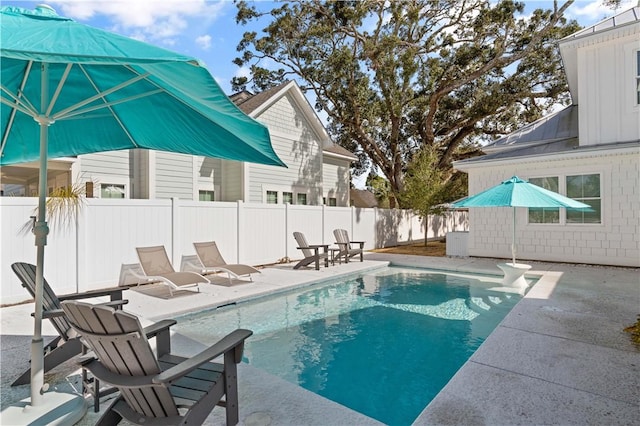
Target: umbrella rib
<point>54,98</point>
<point>19,104</point>
<point>110,104</point>
<point>12,115</point>
<point>62,114</point>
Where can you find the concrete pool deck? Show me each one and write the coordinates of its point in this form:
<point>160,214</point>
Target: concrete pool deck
<point>559,357</point>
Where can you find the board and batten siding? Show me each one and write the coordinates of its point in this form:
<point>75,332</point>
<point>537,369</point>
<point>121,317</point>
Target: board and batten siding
<point>335,178</point>
<point>298,145</point>
<point>607,90</point>
<point>174,175</point>
<point>231,184</point>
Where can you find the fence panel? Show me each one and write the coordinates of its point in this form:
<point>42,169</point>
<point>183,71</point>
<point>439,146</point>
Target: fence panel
<point>111,231</point>
<point>205,221</point>
<point>364,223</point>
<point>18,245</point>
<point>305,219</point>
<point>336,218</point>
<point>262,233</point>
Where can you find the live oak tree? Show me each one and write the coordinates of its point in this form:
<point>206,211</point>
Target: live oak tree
<point>396,76</point>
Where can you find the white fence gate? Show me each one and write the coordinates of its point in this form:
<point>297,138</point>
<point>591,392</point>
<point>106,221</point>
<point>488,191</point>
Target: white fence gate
<point>87,254</point>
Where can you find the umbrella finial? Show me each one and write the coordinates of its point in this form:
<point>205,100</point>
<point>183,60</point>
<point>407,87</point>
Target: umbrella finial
<point>45,9</point>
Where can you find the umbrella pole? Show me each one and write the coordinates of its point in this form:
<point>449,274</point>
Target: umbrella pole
<point>513,239</point>
<point>40,231</point>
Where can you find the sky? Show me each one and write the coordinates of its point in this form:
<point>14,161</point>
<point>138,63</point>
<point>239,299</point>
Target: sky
<point>207,30</point>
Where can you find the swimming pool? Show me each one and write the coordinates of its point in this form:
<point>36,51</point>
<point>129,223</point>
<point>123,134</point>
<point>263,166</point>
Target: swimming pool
<point>383,343</point>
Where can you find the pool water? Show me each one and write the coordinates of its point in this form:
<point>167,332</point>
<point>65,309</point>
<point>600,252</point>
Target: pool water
<point>383,343</point>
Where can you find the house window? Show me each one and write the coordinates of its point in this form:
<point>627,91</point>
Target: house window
<point>333,202</point>
<point>108,190</point>
<point>287,197</point>
<point>324,200</point>
<point>272,197</point>
<point>545,215</point>
<point>586,189</point>
<point>301,199</point>
<point>204,195</point>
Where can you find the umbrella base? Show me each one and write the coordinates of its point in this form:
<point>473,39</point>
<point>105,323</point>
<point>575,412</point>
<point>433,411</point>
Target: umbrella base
<point>57,408</point>
<point>514,274</point>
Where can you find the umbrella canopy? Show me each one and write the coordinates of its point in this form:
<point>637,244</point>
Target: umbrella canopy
<point>69,89</point>
<point>109,92</point>
<point>516,192</point>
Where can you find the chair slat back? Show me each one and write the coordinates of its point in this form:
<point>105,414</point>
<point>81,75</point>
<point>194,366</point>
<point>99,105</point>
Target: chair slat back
<point>154,260</point>
<point>342,237</point>
<point>119,342</point>
<point>26,272</point>
<point>302,242</point>
<point>209,254</point>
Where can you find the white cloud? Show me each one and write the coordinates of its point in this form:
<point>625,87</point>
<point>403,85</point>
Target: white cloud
<point>159,20</point>
<point>594,10</point>
<point>204,41</point>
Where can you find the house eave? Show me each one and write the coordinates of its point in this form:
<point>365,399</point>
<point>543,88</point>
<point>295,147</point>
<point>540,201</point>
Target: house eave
<point>620,148</point>
<point>339,156</point>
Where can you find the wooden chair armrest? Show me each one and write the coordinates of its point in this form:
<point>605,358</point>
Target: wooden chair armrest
<point>318,245</point>
<point>358,242</point>
<point>106,376</point>
<point>230,342</point>
<point>115,293</point>
<point>158,327</point>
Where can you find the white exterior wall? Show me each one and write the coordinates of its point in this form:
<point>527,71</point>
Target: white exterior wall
<point>298,145</point>
<point>231,187</point>
<point>173,175</point>
<point>208,172</point>
<point>615,241</point>
<point>608,109</point>
<point>111,167</point>
<point>335,180</point>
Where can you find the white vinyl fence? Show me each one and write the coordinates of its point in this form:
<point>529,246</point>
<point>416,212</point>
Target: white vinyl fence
<point>87,254</point>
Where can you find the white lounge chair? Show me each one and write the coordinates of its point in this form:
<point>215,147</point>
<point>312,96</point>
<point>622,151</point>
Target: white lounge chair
<point>212,262</point>
<point>156,266</point>
<point>311,253</point>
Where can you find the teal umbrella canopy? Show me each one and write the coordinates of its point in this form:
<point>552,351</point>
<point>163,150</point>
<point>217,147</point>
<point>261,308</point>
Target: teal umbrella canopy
<point>69,89</point>
<point>101,91</point>
<point>516,192</point>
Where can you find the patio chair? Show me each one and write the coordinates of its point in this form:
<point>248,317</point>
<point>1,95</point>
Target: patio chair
<point>342,240</point>
<point>311,252</point>
<point>212,262</point>
<point>157,267</point>
<point>154,387</point>
<point>67,344</point>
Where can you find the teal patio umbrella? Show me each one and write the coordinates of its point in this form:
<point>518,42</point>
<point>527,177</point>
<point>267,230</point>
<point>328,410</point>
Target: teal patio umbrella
<point>516,192</point>
<point>69,89</point>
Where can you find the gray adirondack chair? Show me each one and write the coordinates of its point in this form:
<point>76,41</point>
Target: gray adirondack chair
<point>67,344</point>
<point>346,250</point>
<point>311,253</point>
<point>153,387</point>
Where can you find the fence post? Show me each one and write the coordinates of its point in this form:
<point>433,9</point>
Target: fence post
<point>353,218</point>
<point>287,229</point>
<point>375,227</point>
<point>175,229</point>
<point>240,221</point>
<point>323,224</point>
<point>81,247</point>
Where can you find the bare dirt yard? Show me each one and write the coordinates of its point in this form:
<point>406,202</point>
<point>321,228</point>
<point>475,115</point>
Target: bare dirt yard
<point>433,248</point>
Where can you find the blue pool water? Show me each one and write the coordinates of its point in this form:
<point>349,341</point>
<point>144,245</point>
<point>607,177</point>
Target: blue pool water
<point>383,343</point>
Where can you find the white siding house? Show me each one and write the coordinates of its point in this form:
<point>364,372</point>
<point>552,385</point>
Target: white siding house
<point>589,151</point>
<point>317,172</point>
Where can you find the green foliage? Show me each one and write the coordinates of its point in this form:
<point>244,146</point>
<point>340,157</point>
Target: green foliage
<point>634,331</point>
<point>380,188</point>
<point>394,77</point>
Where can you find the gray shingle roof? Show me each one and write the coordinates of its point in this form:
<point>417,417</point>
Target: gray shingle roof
<point>627,17</point>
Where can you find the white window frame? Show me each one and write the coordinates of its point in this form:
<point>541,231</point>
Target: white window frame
<point>109,180</point>
<point>282,189</point>
<point>562,190</point>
